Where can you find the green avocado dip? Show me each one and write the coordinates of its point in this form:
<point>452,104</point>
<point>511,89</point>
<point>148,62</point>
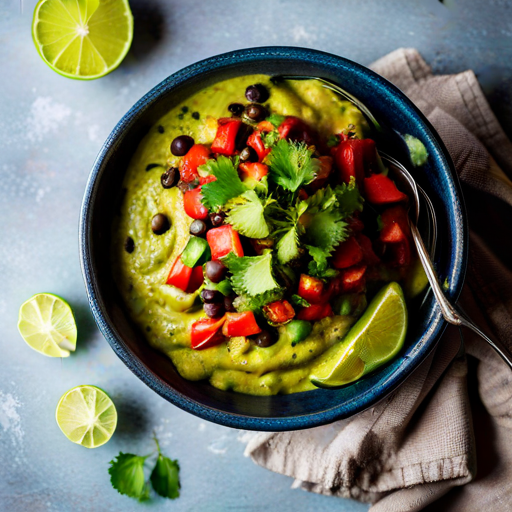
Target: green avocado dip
<point>151,235</point>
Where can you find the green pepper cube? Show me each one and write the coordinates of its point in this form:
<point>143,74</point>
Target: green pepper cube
<point>298,330</point>
<point>197,252</point>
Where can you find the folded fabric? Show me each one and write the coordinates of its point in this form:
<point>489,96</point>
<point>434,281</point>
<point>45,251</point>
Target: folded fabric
<point>432,443</point>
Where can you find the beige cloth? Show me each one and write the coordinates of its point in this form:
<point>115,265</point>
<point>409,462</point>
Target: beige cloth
<point>421,445</point>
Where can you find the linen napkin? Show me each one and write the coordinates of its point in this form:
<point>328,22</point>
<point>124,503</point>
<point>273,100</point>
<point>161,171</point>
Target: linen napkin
<point>432,444</point>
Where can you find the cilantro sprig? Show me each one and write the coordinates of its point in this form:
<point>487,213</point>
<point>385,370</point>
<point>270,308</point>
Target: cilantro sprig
<point>246,215</point>
<point>128,477</point>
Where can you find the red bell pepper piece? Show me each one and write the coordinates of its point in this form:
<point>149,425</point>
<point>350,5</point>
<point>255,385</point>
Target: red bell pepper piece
<point>348,253</point>
<point>379,189</point>
<point>224,142</point>
<point>353,279</point>
<point>223,240</point>
<point>192,204</point>
<point>279,312</point>
<point>207,179</point>
<point>293,128</point>
<point>255,170</point>
<point>255,142</point>
<point>240,324</point>
<point>196,279</point>
<point>395,225</point>
<point>206,333</point>
<point>315,312</point>
<point>197,155</point>
<point>369,256</point>
<point>350,161</point>
<point>179,275</point>
<point>311,289</point>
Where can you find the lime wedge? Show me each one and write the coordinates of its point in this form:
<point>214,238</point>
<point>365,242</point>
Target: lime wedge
<point>87,416</point>
<point>372,341</point>
<point>83,39</point>
<point>47,324</point>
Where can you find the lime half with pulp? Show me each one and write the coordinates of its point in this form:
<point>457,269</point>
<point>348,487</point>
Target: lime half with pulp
<point>372,341</point>
<point>83,39</point>
<point>47,324</point>
<point>87,416</point>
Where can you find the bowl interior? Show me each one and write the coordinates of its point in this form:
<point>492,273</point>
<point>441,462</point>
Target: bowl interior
<point>101,203</point>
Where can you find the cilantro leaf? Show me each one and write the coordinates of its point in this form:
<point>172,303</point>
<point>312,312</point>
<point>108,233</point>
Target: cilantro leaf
<point>326,229</point>
<point>228,185</point>
<point>319,266</point>
<point>245,214</point>
<point>297,300</point>
<point>288,246</point>
<point>127,476</point>
<point>322,199</point>
<point>247,303</point>
<point>270,138</point>
<point>291,164</point>
<point>275,119</point>
<point>348,197</point>
<point>251,275</point>
<point>165,477</point>
<point>288,231</point>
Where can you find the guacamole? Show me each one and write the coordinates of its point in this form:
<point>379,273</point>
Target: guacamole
<point>151,236</point>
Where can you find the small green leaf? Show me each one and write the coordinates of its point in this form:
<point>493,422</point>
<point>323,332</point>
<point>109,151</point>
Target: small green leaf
<point>333,140</point>
<point>127,476</point>
<point>245,214</point>
<point>297,300</point>
<point>326,229</point>
<point>270,139</point>
<point>248,303</point>
<point>288,246</point>
<point>348,197</point>
<point>165,477</point>
<point>275,119</point>
<point>228,185</point>
<point>319,267</point>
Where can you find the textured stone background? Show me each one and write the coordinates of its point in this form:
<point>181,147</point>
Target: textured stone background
<point>51,129</point>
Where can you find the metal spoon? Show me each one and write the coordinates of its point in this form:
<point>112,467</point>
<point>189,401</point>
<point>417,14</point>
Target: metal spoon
<point>451,314</point>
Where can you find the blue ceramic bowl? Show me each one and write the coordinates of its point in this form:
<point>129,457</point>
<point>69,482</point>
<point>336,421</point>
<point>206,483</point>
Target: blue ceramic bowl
<point>282,412</point>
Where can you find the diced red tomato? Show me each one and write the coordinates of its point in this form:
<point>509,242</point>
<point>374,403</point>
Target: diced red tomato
<point>348,253</point>
<point>395,224</point>
<point>315,312</point>
<point>369,256</point>
<point>293,128</point>
<point>223,240</point>
<point>379,189</point>
<point>179,275</point>
<point>311,289</point>
<point>192,204</point>
<point>255,170</point>
<point>279,312</point>
<point>196,279</point>
<point>240,324</point>
<point>350,161</point>
<point>206,333</point>
<point>265,126</point>
<point>323,173</point>
<point>224,142</point>
<point>353,279</point>
<point>255,142</point>
<point>207,179</point>
<point>197,155</point>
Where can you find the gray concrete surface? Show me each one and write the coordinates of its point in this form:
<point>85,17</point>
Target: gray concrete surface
<point>51,129</point>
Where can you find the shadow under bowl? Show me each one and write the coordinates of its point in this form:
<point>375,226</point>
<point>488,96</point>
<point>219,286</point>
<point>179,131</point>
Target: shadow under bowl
<point>281,412</point>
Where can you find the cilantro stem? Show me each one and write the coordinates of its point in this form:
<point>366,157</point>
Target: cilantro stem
<point>157,443</point>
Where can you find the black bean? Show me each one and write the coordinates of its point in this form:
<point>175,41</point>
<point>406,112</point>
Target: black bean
<point>228,304</point>
<point>215,271</point>
<point>265,338</point>
<point>129,245</point>
<point>184,186</point>
<point>196,116</point>
<point>211,296</point>
<point>170,177</point>
<point>180,145</point>
<point>160,224</point>
<point>217,219</point>
<point>184,109</point>
<point>214,310</point>
<point>257,92</point>
<point>256,112</point>
<point>160,129</point>
<point>198,228</point>
<point>242,135</point>
<point>236,109</point>
<point>248,154</point>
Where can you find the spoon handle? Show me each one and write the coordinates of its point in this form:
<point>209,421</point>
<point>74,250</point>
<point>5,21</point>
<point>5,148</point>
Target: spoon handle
<point>450,313</point>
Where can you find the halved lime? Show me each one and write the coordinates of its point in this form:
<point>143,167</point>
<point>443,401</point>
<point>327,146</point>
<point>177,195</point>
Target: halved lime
<point>83,39</point>
<point>372,341</point>
<point>87,416</point>
<point>47,324</point>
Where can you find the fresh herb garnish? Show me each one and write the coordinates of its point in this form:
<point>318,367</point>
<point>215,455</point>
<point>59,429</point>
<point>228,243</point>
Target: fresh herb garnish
<point>248,303</point>
<point>275,119</point>
<point>288,232</point>
<point>228,185</point>
<point>270,138</point>
<point>291,165</point>
<point>349,197</point>
<point>246,215</point>
<point>326,229</point>
<point>298,301</point>
<point>319,266</point>
<point>127,475</point>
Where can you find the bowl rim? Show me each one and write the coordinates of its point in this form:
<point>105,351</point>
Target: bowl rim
<point>352,406</point>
